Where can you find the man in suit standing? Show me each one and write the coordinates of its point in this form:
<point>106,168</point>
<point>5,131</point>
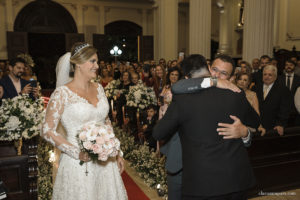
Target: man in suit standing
<point>274,99</point>
<point>289,78</point>
<point>12,84</point>
<point>292,81</point>
<point>212,167</point>
<point>257,76</point>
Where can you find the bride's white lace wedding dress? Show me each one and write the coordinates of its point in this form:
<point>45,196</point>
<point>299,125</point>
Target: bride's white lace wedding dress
<point>103,180</point>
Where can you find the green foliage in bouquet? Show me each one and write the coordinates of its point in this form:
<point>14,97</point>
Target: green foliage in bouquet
<point>20,117</point>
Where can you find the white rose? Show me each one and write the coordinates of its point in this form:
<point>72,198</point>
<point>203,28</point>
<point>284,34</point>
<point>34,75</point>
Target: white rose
<point>13,123</point>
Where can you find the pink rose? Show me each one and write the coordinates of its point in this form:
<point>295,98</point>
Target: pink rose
<point>100,140</point>
<point>95,131</point>
<point>96,148</point>
<point>87,145</point>
<point>106,137</point>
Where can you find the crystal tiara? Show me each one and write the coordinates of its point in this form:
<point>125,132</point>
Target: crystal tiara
<point>80,47</point>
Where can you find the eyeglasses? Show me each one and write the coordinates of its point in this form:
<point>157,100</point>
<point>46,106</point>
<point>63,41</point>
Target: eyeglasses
<point>222,73</point>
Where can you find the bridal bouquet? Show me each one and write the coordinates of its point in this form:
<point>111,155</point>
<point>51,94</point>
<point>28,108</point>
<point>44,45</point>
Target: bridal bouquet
<point>111,89</point>
<point>98,140</point>
<point>20,117</point>
<point>140,96</point>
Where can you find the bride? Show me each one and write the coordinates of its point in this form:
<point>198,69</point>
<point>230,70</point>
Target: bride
<point>73,104</point>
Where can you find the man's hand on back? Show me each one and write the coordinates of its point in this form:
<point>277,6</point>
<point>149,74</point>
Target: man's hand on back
<point>234,130</point>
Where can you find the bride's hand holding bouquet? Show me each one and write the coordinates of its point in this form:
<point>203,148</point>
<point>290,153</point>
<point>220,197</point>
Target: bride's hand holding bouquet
<point>97,142</point>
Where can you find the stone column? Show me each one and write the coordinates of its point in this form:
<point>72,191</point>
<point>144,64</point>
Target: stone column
<point>9,15</point>
<point>258,29</point>
<point>156,32</point>
<point>167,34</point>
<point>102,19</point>
<point>200,27</point>
<point>80,18</point>
<point>144,22</point>
<point>225,26</point>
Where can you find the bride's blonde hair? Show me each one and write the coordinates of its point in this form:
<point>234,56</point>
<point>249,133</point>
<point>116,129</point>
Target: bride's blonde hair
<point>80,53</point>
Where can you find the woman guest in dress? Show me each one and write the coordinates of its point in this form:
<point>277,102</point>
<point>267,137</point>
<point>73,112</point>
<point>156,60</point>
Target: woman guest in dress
<point>159,80</point>
<point>121,97</point>
<point>165,96</point>
<point>243,81</point>
<point>74,104</point>
<point>105,77</point>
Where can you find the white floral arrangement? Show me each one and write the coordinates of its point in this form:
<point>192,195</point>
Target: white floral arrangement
<point>45,172</point>
<point>20,117</point>
<point>149,166</point>
<point>98,140</point>
<point>112,88</point>
<point>141,96</point>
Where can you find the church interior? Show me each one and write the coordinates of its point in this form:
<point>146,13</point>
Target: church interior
<point>147,31</point>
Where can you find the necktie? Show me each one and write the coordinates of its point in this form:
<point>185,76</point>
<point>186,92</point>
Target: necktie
<point>265,91</point>
<point>289,82</point>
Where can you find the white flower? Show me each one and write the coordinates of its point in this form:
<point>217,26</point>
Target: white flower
<point>13,123</point>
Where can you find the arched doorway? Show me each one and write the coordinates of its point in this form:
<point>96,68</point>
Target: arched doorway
<point>45,16</point>
<point>45,30</point>
<point>124,34</point>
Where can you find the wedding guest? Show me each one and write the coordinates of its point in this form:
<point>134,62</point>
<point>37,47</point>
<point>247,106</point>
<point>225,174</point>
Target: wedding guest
<point>159,79</point>
<point>275,100</point>
<point>105,77</point>
<point>165,97</point>
<point>243,80</point>
<point>135,78</point>
<point>173,63</point>
<point>121,97</point>
<point>13,85</point>
<point>162,62</point>
<point>173,162</point>
<point>148,124</point>
<point>149,75</point>
<point>2,69</point>
<point>245,67</point>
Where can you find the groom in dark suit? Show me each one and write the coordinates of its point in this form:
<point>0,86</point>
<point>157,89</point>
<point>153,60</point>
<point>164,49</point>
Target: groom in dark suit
<point>212,167</point>
<point>12,85</point>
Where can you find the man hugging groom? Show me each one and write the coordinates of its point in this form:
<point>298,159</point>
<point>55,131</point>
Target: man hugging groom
<point>214,160</point>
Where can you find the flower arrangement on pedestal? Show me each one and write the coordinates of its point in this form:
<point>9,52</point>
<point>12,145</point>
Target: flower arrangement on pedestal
<point>112,88</point>
<point>20,117</point>
<point>141,97</point>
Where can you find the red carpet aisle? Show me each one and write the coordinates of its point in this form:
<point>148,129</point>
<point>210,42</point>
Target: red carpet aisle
<point>133,190</point>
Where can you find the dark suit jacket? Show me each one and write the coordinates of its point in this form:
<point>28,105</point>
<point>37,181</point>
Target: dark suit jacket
<point>9,88</point>
<point>173,152</point>
<point>211,165</point>
<point>257,76</point>
<point>295,83</point>
<point>275,109</point>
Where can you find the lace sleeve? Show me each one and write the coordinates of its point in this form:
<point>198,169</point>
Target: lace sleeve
<point>54,111</point>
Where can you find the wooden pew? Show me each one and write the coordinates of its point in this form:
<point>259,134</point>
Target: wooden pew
<point>276,161</point>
